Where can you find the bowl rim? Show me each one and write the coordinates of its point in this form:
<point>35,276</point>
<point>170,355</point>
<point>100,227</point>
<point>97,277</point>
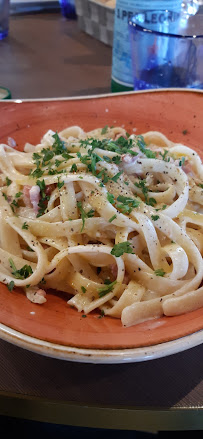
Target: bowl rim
<point>103,95</point>
<point>100,356</point>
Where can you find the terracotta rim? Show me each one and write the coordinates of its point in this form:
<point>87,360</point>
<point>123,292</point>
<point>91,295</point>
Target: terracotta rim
<point>100,356</point>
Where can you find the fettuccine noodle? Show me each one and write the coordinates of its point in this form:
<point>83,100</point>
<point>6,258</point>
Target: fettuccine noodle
<point>113,220</point>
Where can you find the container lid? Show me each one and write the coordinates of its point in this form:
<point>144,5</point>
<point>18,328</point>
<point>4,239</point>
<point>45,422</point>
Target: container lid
<point>5,93</point>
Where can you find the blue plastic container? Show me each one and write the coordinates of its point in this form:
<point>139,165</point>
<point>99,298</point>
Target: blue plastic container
<point>166,50</point>
<point>68,8</point>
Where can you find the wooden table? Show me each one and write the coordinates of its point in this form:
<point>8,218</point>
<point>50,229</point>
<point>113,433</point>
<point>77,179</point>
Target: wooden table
<point>47,56</point>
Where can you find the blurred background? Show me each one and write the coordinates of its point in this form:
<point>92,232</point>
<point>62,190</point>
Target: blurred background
<point>81,47</point>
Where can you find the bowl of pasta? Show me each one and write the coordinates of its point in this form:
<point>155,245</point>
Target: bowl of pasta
<point>101,236</point>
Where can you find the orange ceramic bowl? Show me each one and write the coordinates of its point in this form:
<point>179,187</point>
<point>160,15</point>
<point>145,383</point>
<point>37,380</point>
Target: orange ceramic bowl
<point>55,328</point>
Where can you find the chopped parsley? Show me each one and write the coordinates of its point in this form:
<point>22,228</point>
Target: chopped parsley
<point>112,218</point>
<point>127,204</point>
<point>8,181</point>
<point>23,272</point>
<point>57,163</point>
<point>84,214</point>
<point>14,205</point>
<point>104,130</point>
<point>84,158</point>
<point>142,147</point>
<point>5,196</point>
<point>200,185</point>
<point>106,289</point>
<point>83,289</point>
<point>119,146</point>
<point>18,195</point>
<point>116,159</point>
<point>107,281</point>
<point>60,184</point>
<point>110,198</point>
<point>11,285</point>
<point>44,197</point>
<point>102,314</point>
<point>43,281</point>
<point>104,176</point>
<point>74,168</point>
<point>164,155</point>
<point>95,158</point>
<point>116,177</point>
<point>160,272</point>
<point>29,249</point>
<point>36,157</point>
<point>182,161</point>
<point>25,226</point>
<point>90,160</point>
<point>43,159</point>
<point>107,159</point>
<point>47,155</point>
<point>67,156</point>
<point>142,185</point>
<point>37,173</point>
<point>58,146</point>
<point>119,249</point>
<point>134,153</point>
<point>162,208</point>
<point>155,217</point>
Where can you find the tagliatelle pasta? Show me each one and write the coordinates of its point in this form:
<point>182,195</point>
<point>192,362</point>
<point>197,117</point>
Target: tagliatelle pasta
<point>112,219</point>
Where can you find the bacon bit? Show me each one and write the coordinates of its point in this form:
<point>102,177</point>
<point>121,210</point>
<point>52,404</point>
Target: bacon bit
<point>127,158</point>
<point>128,161</point>
<point>45,246</point>
<point>50,188</point>
<point>114,272</point>
<point>36,295</point>
<point>11,142</point>
<point>26,195</point>
<point>126,279</point>
<point>35,197</point>
<point>187,168</point>
<point>31,196</point>
<point>41,292</point>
